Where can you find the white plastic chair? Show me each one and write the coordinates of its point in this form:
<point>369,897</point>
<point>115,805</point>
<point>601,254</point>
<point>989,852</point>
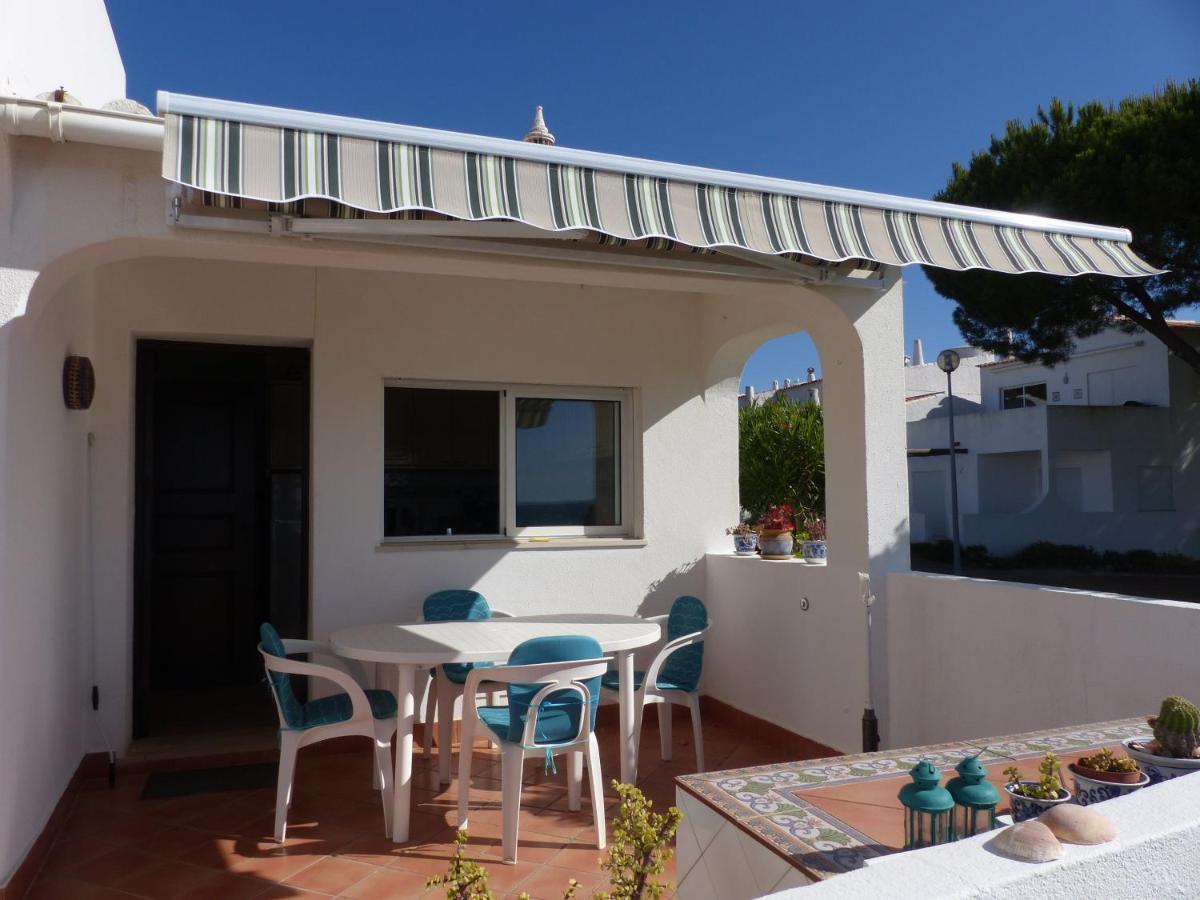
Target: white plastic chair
<point>672,678</point>
<point>550,678</point>
<point>439,705</point>
<point>358,711</point>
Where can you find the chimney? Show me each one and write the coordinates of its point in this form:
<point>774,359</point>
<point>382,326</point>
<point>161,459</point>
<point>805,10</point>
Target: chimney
<point>749,392</point>
<point>918,358</point>
<point>787,382</point>
<point>812,374</point>
<point>775,384</point>
<point>538,133</point>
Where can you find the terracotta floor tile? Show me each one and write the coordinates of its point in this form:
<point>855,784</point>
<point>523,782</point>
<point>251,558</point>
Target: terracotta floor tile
<point>550,883</point>
<point>577,856</point>
<point>69,889</point>
<point>109,868</point>
<point>228,887</point>
<point>67,853</point>
<point>331,875</point>
<point>167,880</point>
<point>388,884</point>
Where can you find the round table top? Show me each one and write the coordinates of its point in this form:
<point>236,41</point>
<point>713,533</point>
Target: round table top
<point>484,640</point>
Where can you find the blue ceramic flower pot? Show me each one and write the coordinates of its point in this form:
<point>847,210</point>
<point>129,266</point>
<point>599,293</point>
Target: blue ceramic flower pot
<point>776,545</point>
<point>745,544</point>
<point>1030,807</point>
<point>1093,790</point>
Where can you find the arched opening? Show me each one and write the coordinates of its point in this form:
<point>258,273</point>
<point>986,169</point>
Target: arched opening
<point>781,441</point>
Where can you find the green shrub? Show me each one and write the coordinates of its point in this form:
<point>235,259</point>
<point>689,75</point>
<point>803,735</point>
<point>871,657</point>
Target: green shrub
<point>781,457</point>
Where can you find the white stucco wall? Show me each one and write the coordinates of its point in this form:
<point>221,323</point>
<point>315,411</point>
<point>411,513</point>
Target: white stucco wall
<point>975,658</point>
<point>1138,363</point>
<point>1154,855</point>
<point>65,43</point>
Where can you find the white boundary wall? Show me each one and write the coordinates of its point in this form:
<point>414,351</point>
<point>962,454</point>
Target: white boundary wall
<point>970,657</point>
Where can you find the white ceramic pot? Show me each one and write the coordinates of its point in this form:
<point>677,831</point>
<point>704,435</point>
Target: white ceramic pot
<point>1093,790</point>
<point>1030,807</point>
<point>1159,768</point>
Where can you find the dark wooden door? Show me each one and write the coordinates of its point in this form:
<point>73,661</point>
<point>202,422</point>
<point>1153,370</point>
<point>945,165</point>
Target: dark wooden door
<point>221,512</point>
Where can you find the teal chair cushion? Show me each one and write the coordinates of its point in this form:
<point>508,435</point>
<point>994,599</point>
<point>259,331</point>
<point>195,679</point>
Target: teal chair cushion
<point>457,606</point>
<point>683,667</point>
<point>612,681</point>
<point>338,708</point>
<point>681,670</point>
<point>289,704</point>
<point>559,714</point>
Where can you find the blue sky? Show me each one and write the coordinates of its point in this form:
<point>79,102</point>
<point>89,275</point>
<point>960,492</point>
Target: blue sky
<point>876,95</point>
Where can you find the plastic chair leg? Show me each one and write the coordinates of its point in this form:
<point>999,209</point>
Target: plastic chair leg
<point>430,715</point>
<point>288,746</point>
<point>664,730</point>
<point>596,780</point>
<point>512,759</point>
<point>697,730</point>
<point>464,769</point>
<point>445,715</point>
<point>574,779</point>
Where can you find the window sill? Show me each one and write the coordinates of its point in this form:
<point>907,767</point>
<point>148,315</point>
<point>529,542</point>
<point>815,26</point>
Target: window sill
<point>503,543</point>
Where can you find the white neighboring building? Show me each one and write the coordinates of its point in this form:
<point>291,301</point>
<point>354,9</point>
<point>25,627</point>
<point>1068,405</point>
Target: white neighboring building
<point>1098,450</point>
<point>924,385</point>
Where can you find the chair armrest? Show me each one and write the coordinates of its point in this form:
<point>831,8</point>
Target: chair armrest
<point>360,706</point>
<point>353,667</point>
<point>554,675</point>
<point>696,637</point>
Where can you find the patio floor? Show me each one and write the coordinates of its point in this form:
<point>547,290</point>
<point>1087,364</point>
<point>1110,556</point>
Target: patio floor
<point>114,844</point>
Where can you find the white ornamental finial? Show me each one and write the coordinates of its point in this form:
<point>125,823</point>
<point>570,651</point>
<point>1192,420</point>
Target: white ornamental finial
<point>538,133</point>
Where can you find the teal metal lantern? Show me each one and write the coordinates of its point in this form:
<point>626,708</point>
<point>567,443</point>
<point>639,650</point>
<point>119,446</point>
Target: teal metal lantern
<point>928,808</point>
<point>975,800</point>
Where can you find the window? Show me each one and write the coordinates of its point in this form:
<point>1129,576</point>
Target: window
<point>1022,396</point>
<point>481,461</point>
<point>1155,492</point>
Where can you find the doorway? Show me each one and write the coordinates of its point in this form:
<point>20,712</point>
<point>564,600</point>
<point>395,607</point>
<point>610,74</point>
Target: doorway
<point>221,529</point>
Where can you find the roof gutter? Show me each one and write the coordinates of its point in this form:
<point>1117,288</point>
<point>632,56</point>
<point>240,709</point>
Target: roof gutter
<point>62,123</point>
<point>276,117</point>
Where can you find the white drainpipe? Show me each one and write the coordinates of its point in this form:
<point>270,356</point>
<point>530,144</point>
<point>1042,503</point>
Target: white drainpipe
<point>62,123</point>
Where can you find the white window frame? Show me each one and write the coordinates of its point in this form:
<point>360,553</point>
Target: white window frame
<point>508,395</point>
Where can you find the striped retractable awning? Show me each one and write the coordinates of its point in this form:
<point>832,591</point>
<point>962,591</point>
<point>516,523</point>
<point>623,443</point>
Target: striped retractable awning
<point>279,156</point>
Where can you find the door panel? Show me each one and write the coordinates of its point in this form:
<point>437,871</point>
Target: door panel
<point>222,512</point>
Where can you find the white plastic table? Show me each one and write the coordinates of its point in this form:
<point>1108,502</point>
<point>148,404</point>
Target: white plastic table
<point>410,647</point>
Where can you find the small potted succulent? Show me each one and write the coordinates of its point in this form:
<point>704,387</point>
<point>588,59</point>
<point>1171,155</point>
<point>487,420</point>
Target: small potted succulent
<point>775,530</point>
<point>1104,775</point>
<point>812,545</point>
<point>745,539</point>
<point>1175,749</point>
<point>1029,799</point>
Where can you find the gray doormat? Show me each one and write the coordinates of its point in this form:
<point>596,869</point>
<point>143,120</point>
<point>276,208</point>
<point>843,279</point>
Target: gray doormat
<point>209,781</point>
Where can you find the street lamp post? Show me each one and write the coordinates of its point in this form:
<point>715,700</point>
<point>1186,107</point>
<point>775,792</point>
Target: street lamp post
<point>948,361</point>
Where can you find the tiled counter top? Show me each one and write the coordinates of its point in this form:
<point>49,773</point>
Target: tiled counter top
<point>748,832</point>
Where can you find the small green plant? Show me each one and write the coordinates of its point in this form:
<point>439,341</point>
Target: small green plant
<point>1177,728</point>
<point>1107,761</point>
<point>640,848</point>
<point>1048,787</point>
<point>639,851</point>
<point>466,880</point>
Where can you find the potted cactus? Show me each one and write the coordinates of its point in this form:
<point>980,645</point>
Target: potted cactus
<point>1105,775</point>
<point>1175,749</point>
<point>1029,799</point>
<point>775,532</point>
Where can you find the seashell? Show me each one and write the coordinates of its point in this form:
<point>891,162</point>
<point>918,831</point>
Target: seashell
<point>1029,841</point>
<point>1078,824</point>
